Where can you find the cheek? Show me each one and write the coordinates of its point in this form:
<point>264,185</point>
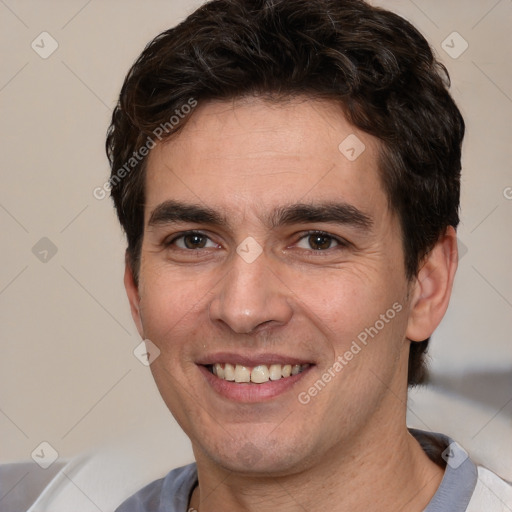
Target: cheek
<point>363,319</point>
<point>346,301</point>
<point>170,303</point>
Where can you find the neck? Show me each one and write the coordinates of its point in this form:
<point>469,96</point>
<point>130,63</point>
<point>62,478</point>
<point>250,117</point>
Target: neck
<point>377,472</point>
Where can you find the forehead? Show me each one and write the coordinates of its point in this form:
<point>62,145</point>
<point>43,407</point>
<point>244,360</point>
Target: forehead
<point>253,154</point>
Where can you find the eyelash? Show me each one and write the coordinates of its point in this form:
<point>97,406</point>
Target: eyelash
<point>340,241</point>
<point>168,243</point>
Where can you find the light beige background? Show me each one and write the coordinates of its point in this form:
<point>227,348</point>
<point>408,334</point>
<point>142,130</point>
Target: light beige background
<point>67,372</point>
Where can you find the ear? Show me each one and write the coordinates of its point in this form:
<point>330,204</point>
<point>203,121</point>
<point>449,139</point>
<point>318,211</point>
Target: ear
<point>132,291</point>
<point>432,288</point>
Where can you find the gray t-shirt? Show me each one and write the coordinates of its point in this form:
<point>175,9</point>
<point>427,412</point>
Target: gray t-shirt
<point>455,494</point>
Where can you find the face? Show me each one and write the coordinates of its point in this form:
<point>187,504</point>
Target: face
<point>267,250</point>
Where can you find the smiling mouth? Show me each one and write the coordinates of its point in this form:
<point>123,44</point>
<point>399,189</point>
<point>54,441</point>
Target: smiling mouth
<point>256,375</point>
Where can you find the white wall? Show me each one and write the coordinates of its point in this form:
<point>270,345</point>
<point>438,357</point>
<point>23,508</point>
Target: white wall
<point>67,372</point>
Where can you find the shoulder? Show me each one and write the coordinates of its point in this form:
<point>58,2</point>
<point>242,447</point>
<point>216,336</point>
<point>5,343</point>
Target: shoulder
<point>169,494</point>
<point>465,486</point>
<point>492,493</point>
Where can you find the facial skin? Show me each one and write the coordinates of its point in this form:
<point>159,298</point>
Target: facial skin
<point>249,163</point>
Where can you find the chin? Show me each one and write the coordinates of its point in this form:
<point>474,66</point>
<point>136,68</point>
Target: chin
<point>260,455</point>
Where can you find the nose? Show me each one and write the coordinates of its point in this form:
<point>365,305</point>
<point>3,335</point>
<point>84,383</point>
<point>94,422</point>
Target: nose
<point>251,297</point>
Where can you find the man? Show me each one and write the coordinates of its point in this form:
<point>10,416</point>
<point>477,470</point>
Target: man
<point>287,174</point>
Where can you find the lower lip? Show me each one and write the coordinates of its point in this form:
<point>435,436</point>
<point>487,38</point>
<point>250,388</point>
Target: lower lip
<point>249,392</point>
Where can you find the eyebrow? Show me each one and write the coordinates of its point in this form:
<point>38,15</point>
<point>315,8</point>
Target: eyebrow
<point>171,211</point>
<point>338,213</point>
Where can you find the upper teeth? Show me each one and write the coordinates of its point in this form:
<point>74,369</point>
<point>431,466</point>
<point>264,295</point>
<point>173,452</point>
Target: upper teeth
<point>258,374</point>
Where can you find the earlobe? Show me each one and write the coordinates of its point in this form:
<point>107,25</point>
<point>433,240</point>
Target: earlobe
<point>432,288</point>
<point>132,292</point>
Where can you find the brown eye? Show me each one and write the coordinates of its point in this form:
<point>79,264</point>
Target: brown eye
<point>320,242</point>
<point>195,241</point>
<point>192,241</point>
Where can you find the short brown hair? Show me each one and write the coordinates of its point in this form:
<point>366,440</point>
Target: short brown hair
<point>372,62</point>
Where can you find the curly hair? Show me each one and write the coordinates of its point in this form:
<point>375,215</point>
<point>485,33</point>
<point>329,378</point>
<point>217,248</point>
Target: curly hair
<point>370,61</point>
